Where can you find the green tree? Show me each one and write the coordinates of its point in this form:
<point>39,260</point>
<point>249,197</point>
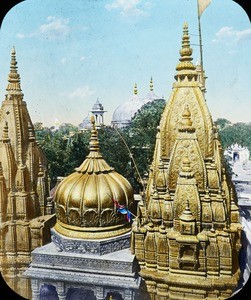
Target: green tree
<point>141,136</point>
<point>239,133</point>
<point>222,123</point>
<point>66,148</point>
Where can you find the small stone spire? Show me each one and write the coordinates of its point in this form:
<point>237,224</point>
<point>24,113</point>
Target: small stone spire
<point>5,136</point>
<point>151,85</point>
<point>187,214</point>
<point>40,168</point>
<point>135,90</point>
<point>32,137</point>
<point>185,68</point>
<point>94,143</point>
<point>13,77</point>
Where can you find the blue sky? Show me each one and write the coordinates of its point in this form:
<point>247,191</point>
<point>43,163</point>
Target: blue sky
<point>72,52</point>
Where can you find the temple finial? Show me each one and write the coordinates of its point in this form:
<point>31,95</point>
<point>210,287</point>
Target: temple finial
<point>151,84</point>
<point>185,67</point>
<point>135,89</point>
<point>13,78</point>
<point>94,143</point>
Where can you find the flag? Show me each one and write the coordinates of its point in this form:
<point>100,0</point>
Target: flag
<point>123,210</point>
<point>202,5</point>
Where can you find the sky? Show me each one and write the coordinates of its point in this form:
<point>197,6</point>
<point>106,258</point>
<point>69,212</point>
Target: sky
<point>70,53</point>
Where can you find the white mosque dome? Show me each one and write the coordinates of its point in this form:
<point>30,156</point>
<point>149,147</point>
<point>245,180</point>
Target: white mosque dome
<point>124,113</point>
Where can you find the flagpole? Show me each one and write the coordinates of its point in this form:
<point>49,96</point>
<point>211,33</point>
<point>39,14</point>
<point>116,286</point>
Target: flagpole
<point>201,54</point>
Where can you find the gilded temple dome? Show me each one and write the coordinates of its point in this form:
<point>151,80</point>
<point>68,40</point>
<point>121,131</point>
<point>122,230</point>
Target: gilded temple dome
<point>84,200</point>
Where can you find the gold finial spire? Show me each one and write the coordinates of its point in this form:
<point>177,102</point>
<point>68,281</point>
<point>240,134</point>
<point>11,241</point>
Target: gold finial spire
<point>94,143</point>
<point>185,67</point>
<point>135,89</point>
<point>186,51</point>
<point>14,77</point>
<point>151,84</point>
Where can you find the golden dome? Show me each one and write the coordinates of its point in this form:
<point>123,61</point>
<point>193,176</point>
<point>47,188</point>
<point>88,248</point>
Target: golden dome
<point>84,199</point>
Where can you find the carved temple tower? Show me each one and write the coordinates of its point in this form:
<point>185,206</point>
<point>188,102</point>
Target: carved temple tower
<point>23,188</point>
<point>186,236</point>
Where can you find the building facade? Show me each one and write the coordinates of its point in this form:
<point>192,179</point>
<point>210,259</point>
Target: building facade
<point>186,236</point>
<point>25,209</point>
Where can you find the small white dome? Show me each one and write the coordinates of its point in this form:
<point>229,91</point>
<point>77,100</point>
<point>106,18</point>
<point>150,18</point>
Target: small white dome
<point>124,113</point>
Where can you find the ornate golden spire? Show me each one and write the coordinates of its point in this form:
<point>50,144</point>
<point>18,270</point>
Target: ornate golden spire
<point>185,67</point>
<point>151,84</point>
<point>135,89</point>
<point>13,78</point>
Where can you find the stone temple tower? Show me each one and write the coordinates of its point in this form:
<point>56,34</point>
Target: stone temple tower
<point>186,236</point>
<point>23,188</point>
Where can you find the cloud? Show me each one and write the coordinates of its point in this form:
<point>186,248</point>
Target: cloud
<point>82,58</point>
<point>244,34</point>
<point>55,28</point>
<point>226,34</point>
<point>130,8</point>
<point>79,93</point>
<point>23,36</point>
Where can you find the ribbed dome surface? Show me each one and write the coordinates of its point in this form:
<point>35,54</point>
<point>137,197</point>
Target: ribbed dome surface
<point>84,199</point>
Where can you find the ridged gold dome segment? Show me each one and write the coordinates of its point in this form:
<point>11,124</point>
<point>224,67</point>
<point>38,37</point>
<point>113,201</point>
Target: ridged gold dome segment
<point>91,233</point>
<point>94,163</point>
